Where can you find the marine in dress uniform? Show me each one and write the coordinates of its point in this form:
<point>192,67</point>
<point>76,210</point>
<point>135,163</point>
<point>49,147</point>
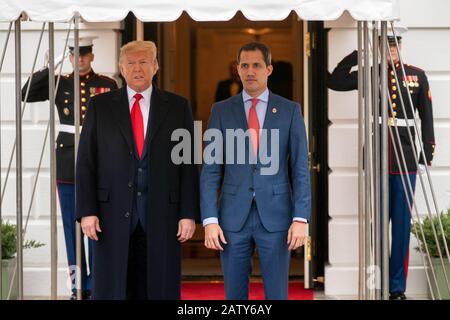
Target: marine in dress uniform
<point>416,82</point>
<point>91,84</point>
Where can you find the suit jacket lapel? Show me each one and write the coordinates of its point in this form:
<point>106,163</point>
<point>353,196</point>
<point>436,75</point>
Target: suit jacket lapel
<point>159,107</point>
<point>239,112</point>
<point>121,112</point>
<point>270,121</point>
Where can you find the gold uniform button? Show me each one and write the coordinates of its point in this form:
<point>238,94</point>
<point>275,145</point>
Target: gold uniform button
<point>393,80</point>
<point>83,108</point>
<point>87,77</point>
<point>61,145</point>
<point>394,96</point>
<point>394,105</point>
<point>394,88</point>
<point>66,101</point>
<point>83,99</point>
<point>83,91</point>
<point>66,111</point>
<point>82,84</point>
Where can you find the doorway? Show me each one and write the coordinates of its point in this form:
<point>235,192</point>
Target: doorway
<point>194,57</point>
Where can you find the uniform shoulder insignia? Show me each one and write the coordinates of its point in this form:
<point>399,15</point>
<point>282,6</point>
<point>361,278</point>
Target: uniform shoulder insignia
<point>414,67</point>
<point>106,78</point>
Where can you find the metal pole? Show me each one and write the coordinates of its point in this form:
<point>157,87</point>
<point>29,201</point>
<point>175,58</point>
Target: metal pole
<point>367,151</point>
<point>384,165</point>
<point>1,200</point>
<point>45,139</point>
<point>5,46</point>
<point>411,203</point>
<point>53,221</point>
<point>376,157</point>
<point>24,104</point>
<point>361,230</point>
<point>14,149</point>
<point>19,244</point>
<point>76,90</point>
<point>422,152</point>
<point>414,152</point>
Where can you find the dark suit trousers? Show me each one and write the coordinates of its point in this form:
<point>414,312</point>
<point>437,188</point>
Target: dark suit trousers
<point>137,265</point>
<point>274,258</point>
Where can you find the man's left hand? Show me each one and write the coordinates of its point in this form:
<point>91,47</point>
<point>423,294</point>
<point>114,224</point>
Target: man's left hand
<point>296,235</point>
<point>186,228</point>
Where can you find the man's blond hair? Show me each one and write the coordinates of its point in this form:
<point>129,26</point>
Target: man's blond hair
<point>138,46</point>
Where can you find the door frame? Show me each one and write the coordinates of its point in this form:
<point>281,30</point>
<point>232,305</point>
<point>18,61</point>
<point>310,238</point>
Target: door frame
<point>316,121</point>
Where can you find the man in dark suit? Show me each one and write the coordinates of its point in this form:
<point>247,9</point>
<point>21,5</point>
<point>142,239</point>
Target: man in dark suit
<point>91,84</point>
<point>264,204</point>
<point>132,199</point>
<point>231,86</point>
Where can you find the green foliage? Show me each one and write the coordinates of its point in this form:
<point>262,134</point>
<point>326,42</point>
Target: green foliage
<point>429,234</point>
<point>9,241</point>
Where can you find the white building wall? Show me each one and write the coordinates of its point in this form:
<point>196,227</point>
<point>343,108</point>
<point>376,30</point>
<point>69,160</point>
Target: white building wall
<point>35,119</point>
<point>426,46</point>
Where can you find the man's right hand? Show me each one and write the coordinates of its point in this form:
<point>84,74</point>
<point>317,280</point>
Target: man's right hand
<point>90,225</point>
<point>213,237</point>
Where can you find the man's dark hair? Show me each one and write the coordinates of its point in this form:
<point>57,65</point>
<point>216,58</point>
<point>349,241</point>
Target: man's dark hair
<point>253,46</point>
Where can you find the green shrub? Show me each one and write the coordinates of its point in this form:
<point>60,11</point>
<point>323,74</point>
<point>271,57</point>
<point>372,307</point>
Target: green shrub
<point>9,241</point>
<point>429,234</point>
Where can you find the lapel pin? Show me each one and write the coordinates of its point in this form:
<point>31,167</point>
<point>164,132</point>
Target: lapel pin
<point>274,110</point>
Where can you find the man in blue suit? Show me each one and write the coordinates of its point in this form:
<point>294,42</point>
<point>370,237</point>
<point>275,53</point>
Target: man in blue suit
<point>266,201</point>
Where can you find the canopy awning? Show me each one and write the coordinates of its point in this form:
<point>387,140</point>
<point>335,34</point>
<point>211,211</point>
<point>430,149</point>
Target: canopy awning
<point>199,10</point>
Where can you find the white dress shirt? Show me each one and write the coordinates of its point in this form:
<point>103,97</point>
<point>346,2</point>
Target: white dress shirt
<point>144,103</point>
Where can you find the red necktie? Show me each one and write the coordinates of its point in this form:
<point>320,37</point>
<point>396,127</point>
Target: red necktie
<point>137,122</point>
<point>253,125</point>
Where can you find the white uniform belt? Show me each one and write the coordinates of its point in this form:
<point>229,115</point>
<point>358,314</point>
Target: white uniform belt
<point>68,128</point>
<point>400,122</point>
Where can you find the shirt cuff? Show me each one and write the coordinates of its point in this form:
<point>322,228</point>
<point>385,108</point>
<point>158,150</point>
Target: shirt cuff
<point>210,221</point>
<point>300,220</point>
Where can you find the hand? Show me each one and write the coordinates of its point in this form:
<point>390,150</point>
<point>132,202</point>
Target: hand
<point>422,169</point>
<point>186,228</point>
<point>90,226</point>
<point>296,235</point>
<point>58,60</point>
<point>213,233</point>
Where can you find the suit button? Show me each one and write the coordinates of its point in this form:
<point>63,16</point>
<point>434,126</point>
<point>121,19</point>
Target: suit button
<point>251,189</point>
<point>140,169</point>
<point>130,184</point>
<point>139,194</point>
<point>127,214</point>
